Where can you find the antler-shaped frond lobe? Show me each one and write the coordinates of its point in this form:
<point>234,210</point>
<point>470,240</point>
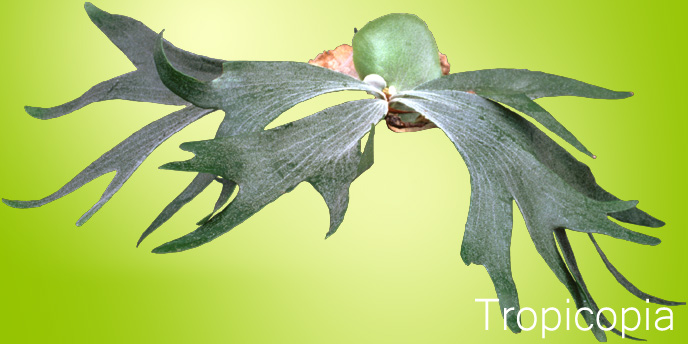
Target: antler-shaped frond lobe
<point>228,188</point>
<point>627,284</point>
<point>579,176</point>
<point>136,41</point>
<point>487,240</point>
<point>570,259</point>
<point>247,88</point>
<point>509,158</point>
<point>542,235</point>
<point>187,87</point>
<point>368,157</point>
<point>498,144</point>
<point>252,94</point>
<point>197,185</point>
<point>533,84</point>
<point>518,87</point>
<point>322,149</point>
<point>124,159</point>
<point>336,194</point>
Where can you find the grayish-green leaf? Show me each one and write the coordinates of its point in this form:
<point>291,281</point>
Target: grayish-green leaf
<point>508,158</point>
<point>322,149</point>
<point>228,187</point>
<point>400,48</point>
<point>253,94</point>
<point>520,81</point>
<point>136,41</point>
<point>543,238</point>
<point>570,258</point>
<point>518,87</point>
<point>506,152</point>
<point>627,284</point>
<point>487,240</point>
<point>368,157</point>
<point>124,159</point>
<point>197,185</point>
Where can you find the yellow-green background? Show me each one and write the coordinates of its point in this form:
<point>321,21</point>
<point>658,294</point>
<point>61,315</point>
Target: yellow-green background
<point>392,273</point>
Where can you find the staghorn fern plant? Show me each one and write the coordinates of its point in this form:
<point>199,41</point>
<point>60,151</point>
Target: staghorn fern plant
<point>396,61</point>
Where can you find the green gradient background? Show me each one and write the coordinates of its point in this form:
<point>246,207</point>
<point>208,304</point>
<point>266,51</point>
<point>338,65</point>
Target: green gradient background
<point>392,273</point>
